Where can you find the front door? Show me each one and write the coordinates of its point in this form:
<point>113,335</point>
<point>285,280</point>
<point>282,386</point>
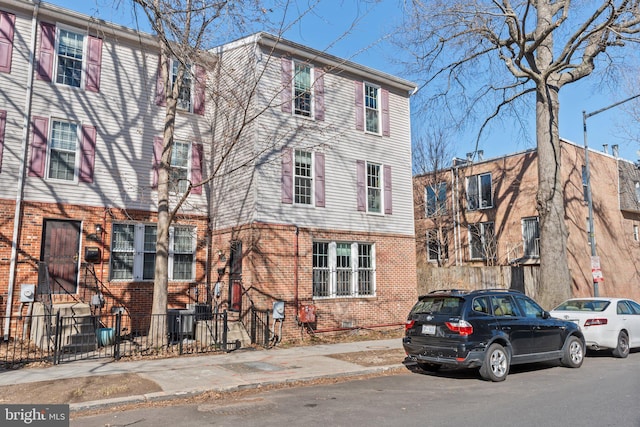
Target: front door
<point>60,249</point>
<point>235,276</point>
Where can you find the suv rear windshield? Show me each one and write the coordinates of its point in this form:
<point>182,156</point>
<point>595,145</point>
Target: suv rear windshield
<point>439,305</point>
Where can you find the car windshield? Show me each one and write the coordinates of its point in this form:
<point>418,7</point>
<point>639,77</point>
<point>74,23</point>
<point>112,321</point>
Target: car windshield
<point>438,305</point>
<point>583,305</point>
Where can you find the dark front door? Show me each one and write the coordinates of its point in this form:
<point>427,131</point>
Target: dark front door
<point>235,276</point>
<point>61,245</point>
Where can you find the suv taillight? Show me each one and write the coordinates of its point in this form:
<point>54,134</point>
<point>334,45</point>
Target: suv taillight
<point>409,324</point>
<point>462,327</point>
<point>595,322</point>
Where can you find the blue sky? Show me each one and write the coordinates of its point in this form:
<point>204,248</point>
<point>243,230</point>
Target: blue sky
<point>356,30</point>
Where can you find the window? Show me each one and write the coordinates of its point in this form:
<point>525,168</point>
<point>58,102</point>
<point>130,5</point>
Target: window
<point>531,309</point>
<point>62,150</point>
<point>482,241</point>
<point>531,237</point>
<point>479,192</point>
<point>372,108</point>
<point>374,188</point>
<point>303,177</point>
<point>179,174</point>
<point>70,54</point>
<point>184,97</point>
<point>302,90</point>
<point>133,252</point>
<point>636,233</point>
<point>637,191</point>
<point>437,245</point>
<point>343,269</point>
<point>436,198</point>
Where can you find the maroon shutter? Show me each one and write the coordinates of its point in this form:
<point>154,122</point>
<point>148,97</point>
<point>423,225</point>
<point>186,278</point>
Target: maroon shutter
<point>361,190</point>
<point>319,179</point>
<point>359,105</point>
<point>157,159</point>
<point>87,153</point>
<point>286,75</point>
<point>46,55</point>
<point>7,26</point>
<point>94,64</point>
<point>286,180</point>
<point>39,127</point>
<point>388,202</point>
<point>201,81</point>
<point>318,88</point>
<point>160,95</point>
<point>196,167</point>
<point>3,122</point>
<point>385,113</point>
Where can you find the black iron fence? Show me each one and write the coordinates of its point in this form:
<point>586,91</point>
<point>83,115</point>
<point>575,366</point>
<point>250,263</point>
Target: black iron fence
<point>59,338</point>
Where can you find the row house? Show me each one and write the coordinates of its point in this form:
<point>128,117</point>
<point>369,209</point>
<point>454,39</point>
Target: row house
<point>306,158</point>
<point>482,212</point>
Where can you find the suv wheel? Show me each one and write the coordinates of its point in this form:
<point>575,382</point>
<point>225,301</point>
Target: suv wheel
<point>573,352</point>
<point>495,366</point>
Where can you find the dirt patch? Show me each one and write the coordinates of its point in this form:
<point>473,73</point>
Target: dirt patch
<point>372,357</point>
<point>74,390</point>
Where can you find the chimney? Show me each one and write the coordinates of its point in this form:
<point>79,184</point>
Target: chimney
<point>480,154</point>
<point>614,149</point>
<point>469,157</point>
<point>605,148</point>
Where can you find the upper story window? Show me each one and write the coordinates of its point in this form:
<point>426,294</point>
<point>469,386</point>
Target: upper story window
<point>302,90</point>
<point>437,245</point>
<point>374,188</point>
<point>303,177</point>
<point>69,57</point>
<point>479,192</point>
<point>436,199</point>
<point>70,54</point>
<point>186,165</point>
<point>530,237</point>
<point>133,252</point>
<point>179,174</point>
<point>372,108</point>
<point>482,241</point>
<point>343,269</point>
<point>637,191</point>
<point>64,151</point>
<point>184,96</point>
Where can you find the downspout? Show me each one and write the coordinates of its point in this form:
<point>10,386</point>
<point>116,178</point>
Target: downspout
<point>104,225</point>
<point>295,273</point>
<point>21,178</point>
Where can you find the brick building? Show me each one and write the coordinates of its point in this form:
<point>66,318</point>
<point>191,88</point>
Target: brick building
<point>482,212</point>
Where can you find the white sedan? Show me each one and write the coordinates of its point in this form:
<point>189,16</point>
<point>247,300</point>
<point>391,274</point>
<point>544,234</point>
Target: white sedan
<point>607,323</point>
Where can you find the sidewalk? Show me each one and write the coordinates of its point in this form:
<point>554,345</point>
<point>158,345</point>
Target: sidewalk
<point>241,369</point>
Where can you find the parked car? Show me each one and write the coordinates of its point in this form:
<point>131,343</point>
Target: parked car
<point>491,329</point>
<point>607,323</point>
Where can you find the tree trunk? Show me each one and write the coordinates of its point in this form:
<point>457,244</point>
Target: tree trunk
<point>555,280</point>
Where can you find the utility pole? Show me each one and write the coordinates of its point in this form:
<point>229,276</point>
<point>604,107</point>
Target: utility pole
<point>592,241</point>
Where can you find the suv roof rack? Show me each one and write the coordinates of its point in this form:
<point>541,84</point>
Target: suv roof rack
<point>480,291</point>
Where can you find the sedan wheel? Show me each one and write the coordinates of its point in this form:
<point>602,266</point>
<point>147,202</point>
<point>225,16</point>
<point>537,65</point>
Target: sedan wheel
<point>573,352</point>
<point>495,366</point>
<point>622,350</point>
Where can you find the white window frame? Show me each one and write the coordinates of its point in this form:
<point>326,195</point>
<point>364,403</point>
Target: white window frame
<point>530,243</point>
<point>298,178</point>
<point>433,199</point>
<point>375,111</point>
<point>180,187</point>
<point>355,275</point>
<point>189,78</point>
<point>476,181</point>
<point>296,110</point>
<point>373,190</point>
<point>482,226</point>
<point>83,68</point>
<point>139,252</point>
<point>50,149</point>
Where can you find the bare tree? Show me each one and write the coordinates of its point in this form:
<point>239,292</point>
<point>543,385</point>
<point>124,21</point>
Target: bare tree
<point>509,52</point>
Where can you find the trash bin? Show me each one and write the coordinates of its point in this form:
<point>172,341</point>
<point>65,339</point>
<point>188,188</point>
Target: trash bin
<point>180,323</point>
<point>104,336</point>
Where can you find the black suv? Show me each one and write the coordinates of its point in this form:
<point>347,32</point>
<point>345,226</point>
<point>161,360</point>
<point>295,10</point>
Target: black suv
<point>491,329</point>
